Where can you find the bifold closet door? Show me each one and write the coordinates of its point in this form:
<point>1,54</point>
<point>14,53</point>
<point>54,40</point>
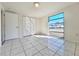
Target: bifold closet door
<point>26,26</point>
<point>11,25</point>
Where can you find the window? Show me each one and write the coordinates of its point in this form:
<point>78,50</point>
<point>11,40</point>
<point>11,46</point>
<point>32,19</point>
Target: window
<point>56,22</point>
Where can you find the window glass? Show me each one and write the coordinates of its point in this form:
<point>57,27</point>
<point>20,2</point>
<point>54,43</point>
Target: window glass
<point>56,22</point>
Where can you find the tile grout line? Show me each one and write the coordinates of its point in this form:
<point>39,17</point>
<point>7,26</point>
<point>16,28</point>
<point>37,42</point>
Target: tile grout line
<point>58,49</point>
<point>22,47</point>
<point>75,49</point>
<point>51,51</point>
<point>61,46</point>
<point>11,48</point>
<point>36,49</point>
<point>39,50</point>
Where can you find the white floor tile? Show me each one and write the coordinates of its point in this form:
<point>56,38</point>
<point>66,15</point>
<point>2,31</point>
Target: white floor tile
<point>38,54</point>
<point>5,51</point>
<point>56,55</point>
<point>39,47</point>
<point>28,46</point>
<point>53,47</point>
<point>16,46</point>
<point>16,51</point>
<point>19,54</point>
<point>31,51</point>
<point>47,51</point>
<point>69,46</point>
<point>68,53</point>
<point>77,50</point>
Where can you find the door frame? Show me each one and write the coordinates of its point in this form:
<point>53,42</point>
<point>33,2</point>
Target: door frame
<point>2,27</point>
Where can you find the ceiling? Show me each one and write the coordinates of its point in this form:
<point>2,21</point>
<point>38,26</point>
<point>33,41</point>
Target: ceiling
<point>27,8</point>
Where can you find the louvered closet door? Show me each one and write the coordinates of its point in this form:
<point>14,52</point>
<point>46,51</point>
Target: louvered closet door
<point>26,26</point>
<point>33,26</point>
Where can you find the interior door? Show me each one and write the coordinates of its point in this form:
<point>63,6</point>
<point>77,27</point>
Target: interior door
<point>26,26</point>
<point>11,25</point>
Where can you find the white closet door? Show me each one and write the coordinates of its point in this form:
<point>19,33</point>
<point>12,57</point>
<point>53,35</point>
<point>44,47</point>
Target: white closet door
<point>26,26</point>
<point>11,25</point>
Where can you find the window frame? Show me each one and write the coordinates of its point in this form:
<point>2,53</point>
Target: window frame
<point>56,18</point>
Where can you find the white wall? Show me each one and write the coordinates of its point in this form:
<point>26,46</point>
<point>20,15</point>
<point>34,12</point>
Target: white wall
<point>44,25</point>
<point>38,26</point>
<point>72,23</point>
<point>71,29</point>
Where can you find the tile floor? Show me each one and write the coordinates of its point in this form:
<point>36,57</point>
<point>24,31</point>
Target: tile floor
<point>33,46</point>
<point>71,48</point>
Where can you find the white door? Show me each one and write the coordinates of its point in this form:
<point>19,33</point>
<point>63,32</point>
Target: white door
<point>11,25</point>
<point>26,26</point>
